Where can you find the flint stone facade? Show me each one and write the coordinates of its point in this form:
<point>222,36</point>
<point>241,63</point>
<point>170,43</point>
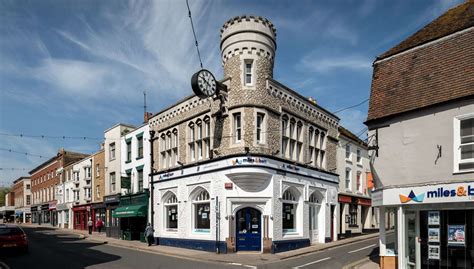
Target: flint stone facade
<point>245,39</point>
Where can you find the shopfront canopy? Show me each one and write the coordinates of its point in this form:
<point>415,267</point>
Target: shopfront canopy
<point>130,211</point>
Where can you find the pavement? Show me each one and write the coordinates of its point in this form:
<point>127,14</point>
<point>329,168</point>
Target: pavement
<point>336,254</point>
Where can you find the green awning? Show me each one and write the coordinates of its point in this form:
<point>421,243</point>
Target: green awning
<point>130,211</point>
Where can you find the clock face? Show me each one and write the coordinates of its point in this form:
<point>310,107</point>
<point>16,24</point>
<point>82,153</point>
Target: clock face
<point>204,84</point>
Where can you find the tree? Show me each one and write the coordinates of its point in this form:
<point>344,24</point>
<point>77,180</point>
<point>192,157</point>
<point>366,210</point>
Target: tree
<point>3,192</point>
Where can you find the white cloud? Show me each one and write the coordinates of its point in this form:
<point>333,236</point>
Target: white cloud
<point>327,63</point>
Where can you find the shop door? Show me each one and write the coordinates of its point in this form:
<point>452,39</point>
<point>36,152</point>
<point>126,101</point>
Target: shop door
<point>412,246</point>
<point>248,229</point>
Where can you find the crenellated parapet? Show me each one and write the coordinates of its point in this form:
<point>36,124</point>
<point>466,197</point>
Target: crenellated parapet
<point>248,35</point>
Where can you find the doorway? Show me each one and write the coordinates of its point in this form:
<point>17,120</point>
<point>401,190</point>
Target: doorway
<point>412,244</point>
<point>248,229</point>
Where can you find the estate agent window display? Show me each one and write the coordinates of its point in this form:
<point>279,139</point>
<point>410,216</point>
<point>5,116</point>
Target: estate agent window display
<point>202,212</point>
<point>289,207</point>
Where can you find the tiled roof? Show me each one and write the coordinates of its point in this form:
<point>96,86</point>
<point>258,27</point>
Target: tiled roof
<point>428,75</point>
<point>455,19</point>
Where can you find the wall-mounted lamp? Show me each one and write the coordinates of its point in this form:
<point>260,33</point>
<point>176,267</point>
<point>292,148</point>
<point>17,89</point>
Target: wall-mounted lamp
<point>180,163</point>
<point>275,152</point>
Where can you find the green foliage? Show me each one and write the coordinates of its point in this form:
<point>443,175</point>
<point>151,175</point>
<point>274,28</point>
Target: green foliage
<point>3,191</point>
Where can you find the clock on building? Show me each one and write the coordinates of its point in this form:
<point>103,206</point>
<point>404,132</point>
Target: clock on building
<point>204,84</point>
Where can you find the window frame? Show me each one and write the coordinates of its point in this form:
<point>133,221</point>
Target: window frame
<point>112,151</point>
<point>197,202</point>
<point>457,144</point>
<point>290,199</point>
<point>170,202</point>
<point>348,179</point>
<point>237,127</point>
<point>247,73</point>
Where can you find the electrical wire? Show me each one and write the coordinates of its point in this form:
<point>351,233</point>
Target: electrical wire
<point>346,108</point>
<point>23,153</point>
<point>194,33</point>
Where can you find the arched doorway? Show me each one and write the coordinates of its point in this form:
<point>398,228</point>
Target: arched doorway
<point>248,229</point>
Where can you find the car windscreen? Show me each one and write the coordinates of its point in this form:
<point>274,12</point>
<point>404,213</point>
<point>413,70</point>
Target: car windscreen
<point>10,231</point>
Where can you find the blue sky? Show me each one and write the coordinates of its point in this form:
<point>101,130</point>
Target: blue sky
<point>75,68</point>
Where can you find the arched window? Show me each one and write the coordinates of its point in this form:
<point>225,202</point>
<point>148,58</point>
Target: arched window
<point>314,205</point>
<point>171,212</point>
<point>192,152</point>
<point>290,204</point>
<point>202,212</point>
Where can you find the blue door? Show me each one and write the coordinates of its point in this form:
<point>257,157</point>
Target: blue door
<point>248,229</point>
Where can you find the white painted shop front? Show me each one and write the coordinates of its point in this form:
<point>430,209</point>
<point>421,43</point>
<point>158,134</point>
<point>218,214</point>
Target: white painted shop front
<point>245,203</point>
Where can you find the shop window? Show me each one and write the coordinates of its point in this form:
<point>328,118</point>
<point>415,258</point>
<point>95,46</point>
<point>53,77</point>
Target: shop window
<point>202,212</point>
<point>464,143</point>
<point>171,209</point>
<point>289,212</point>
<point>353,208</point>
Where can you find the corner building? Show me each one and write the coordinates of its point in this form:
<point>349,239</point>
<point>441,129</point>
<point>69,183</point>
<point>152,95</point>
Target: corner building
<point>421,119</point>
<point>250,171</point>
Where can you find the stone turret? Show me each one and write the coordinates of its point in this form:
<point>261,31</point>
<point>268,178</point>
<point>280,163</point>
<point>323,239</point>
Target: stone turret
<point>250,38</point>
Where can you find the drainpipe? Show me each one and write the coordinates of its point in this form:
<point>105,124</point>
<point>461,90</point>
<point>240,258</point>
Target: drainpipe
<point>152,186</point>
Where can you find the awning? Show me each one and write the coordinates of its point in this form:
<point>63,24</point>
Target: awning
<point>130,211</point>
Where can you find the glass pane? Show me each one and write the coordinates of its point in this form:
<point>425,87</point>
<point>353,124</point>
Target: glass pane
<point>467,152</point>
<point>202,216</point>
<point>288,217</point>
<point>172,212</point>
<point>467,127</point>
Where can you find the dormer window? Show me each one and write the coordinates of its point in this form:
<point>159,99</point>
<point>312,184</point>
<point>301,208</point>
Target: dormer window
<point>248,73</point>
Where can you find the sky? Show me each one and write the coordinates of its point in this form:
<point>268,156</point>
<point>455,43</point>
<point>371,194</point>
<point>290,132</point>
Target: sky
<point>75,68</point>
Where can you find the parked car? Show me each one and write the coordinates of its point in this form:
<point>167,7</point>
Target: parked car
<point>12,237</point>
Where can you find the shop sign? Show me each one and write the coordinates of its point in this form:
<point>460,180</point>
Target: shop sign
<point>249,160</point>
<point>446,193</point>
<point>62,207</point>
<point>34,209</point>
<point>111,199</point>
<point>345,199</point>
<point>166,175</point>
<point>44,207</point>
<point>362,201</point>
<point>52,205</point>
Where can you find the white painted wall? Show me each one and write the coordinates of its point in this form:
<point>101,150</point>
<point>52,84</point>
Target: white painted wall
<point>267,199</point>
<point>145,161</point>
<point>408,146</point>
<point>113,135</point>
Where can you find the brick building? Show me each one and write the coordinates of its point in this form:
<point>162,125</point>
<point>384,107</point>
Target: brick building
<point>44,180</point>
<point>251,169</point>
<point>421,118</point>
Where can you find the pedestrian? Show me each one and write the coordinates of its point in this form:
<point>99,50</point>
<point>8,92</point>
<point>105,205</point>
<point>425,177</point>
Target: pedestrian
<point>99,224</point>
<point>149,234</point>
<point>90,224</point>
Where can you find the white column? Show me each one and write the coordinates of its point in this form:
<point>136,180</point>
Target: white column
<point>401,230</point>
<point>382,234</point>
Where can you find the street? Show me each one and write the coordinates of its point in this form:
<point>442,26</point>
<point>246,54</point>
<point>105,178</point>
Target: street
<point>52,249</point>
